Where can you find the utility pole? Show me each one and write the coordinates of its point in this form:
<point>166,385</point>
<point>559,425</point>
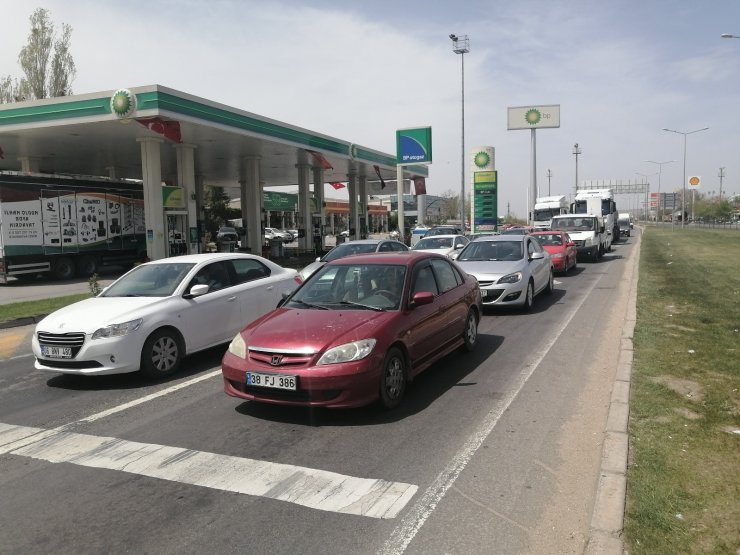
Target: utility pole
<point>721,176</point>
<point>576,151</point>
<point>549,175</point>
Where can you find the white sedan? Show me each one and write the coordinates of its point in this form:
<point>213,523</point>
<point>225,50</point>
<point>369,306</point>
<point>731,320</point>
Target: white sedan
<point>441,244</point>
<point>155,314</point>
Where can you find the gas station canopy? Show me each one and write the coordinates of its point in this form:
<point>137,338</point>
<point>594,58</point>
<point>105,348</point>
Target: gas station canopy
<point>86,135</point>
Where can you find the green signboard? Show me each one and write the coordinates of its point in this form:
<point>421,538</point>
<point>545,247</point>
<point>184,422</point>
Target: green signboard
<point>414,146</point>
<point>284,202</point>
<point>485,201</point>
<point>172,197</point>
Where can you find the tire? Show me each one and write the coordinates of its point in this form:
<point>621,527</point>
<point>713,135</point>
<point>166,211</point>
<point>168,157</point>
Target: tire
<point>595,255</point>
<point>528,297</point>
<point>470,335</point>
<point>575,262</point>
<point>86,266</point>
<point>63,268</point>
<point>393,379</point>
<point>550,284</point>
<point>162,354</point>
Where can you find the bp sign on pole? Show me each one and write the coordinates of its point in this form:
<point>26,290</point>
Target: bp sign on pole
<point>534,117</point>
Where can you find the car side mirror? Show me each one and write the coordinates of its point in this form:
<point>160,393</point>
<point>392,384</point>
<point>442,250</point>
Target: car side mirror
<point>570,244</point>
<point>421,298</point>
<point>197,291</point>
<point>537,256</point>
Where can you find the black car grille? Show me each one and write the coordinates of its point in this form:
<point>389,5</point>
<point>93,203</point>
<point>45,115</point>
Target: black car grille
<point>64,364</point>
<point>492,295</point>
<point>580,243</point>
<point>280,359</point>
<point>74,340</point>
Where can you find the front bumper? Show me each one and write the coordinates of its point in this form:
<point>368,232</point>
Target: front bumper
<point>117,355</point>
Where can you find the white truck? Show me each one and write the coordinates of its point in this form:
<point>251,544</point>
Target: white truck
<point>585,230</point>
<point>625,223</point>
<point>68,226</point>
<point>545,208</point>
<point>599,202</point>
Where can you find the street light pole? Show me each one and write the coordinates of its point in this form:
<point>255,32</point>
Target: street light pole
<point>683,199</point>
<point>660,172</point>
<point>549,175</point>
<point>461,45</point>
<point>721,176</point>
<point>576,151</point>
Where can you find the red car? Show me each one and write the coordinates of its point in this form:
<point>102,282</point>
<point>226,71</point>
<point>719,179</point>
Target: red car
<point>357,331</point>
<point>561,247</point>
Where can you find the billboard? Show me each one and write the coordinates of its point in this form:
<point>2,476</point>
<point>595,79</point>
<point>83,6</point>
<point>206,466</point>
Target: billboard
<point>414,146</point>
<point>534,117</point>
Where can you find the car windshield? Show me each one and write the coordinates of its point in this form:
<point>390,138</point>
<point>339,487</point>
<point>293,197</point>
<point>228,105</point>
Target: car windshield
<point>491,250</point>
<point>352,287</point>
<point>434,243</point>
<point>149,280</point>
<point>346,249</point>
<point>573,224</point>
<point>550,239</point>
<point>441,231</point>
<point>227,230</point>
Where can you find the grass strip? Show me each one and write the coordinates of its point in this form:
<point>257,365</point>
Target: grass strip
<point>26,309</point>
<point>683,483</point>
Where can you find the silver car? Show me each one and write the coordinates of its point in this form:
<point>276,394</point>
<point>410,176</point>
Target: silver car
<point>510,269</point>
<point>361,246</point>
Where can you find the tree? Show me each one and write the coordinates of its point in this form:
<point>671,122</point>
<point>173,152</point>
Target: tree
<point>46,61</point>
<point>217,211</point>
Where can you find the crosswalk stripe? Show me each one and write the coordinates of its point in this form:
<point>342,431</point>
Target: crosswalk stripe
<point>317,489</point>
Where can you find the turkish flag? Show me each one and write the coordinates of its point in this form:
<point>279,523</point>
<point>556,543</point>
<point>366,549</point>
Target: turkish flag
<point>420,185</point>
<point>323,162</point>
<point>170,129</point>
<point>337,185</point>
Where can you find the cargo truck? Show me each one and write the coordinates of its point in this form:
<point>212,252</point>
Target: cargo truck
<point>68,225</point>
<point>585,230</point>
<point>545,208</point>
<point>599,202</point>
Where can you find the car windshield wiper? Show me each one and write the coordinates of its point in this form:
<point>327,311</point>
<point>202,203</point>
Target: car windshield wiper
<point>370,307</point>
<point>309,305</point>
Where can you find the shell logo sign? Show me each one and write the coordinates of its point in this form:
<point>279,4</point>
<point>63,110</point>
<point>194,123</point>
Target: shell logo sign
<point>695,181</point>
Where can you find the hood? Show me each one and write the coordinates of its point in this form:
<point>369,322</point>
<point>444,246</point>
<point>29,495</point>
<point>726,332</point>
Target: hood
<point>315,330</point>
<point>489,270</point>
<point>310,269</point>
<point>581,235</point>
<point>91,314</point>
<point>444,252</point>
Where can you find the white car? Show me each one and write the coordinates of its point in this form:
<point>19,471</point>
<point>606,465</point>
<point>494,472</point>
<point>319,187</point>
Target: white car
<point>441,244</point>
<point>510,269</point>
<point>159,312</point>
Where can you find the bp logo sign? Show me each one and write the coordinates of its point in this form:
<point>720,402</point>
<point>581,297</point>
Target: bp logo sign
<point>123,103</point>
<point>533,116</point>
<point>481,159</point>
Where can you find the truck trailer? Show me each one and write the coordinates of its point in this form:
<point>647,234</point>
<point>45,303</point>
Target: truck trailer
<point>68,225</point>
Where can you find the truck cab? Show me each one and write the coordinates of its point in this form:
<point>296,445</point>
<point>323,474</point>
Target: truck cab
<point>586,231</point>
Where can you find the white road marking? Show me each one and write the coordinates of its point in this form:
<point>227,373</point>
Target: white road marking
<point>317,489</point>
<point>415,518</point>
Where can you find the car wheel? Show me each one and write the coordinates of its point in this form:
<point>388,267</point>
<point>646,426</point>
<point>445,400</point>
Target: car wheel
<point>470,336</point>
<point>393,379</point>
<point>162,354</point>
<point>575,262</point>
<point>550,284</point>
<point>86,266</point>
<point>529,297</point>
<point>595,255</point>
<point>63,268</point>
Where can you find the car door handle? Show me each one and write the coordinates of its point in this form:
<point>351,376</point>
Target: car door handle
<point>231,299</point>
<point>269,288</point>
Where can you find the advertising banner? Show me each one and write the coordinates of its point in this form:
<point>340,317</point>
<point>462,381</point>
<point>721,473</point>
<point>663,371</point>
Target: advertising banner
<point>534,117</point>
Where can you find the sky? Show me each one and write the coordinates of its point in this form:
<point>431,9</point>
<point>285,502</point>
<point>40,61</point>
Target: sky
<point>620,70</point>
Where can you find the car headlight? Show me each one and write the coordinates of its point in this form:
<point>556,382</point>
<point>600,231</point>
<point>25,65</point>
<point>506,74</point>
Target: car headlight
<point>237,347</point>
<point>511,278</point>
<point>348,352</point>
<point>117,330</point>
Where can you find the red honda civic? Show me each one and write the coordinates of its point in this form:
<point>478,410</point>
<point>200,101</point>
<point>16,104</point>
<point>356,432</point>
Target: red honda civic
<point>357,331</point>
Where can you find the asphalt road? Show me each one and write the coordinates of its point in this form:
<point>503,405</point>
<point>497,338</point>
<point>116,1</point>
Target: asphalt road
<point>495,451</point>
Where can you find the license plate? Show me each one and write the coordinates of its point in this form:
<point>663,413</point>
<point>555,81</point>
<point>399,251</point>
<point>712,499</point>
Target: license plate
<point>275,381</point>
<point>483,293</point>
<point>56,352</point>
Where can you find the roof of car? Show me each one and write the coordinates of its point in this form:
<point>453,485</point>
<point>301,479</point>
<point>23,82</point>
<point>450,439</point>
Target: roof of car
<point>395,257</point>
<point>507,238</point>
<point>203,257</point>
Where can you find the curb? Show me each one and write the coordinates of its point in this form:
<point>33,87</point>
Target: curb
<point>607,519</point>
<point>18,322</point>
